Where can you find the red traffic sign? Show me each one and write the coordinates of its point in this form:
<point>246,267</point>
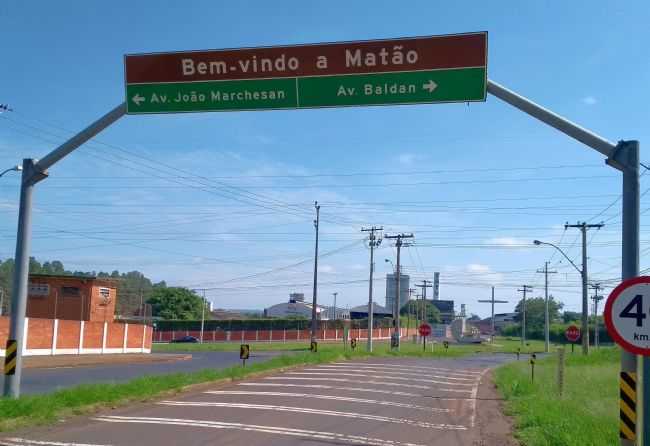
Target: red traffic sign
<point>424,330</point>
<point>626,315</point>
<point>572,333</point>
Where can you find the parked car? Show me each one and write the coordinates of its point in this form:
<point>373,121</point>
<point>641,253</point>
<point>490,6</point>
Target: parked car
<point>188,339</point>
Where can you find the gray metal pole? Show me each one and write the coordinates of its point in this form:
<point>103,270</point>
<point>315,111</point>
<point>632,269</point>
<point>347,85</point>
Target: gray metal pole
<point>523,319</point>
<point>314,296</point>
<point>546,318</point>
<point>335,294</point>
<point>627,160</point>
<point>21,275</point>
<point>585,295</point>
<point>2,300</point>
<point>396,305</point>
<point>202,315</point>
<point>492,330</point>
<point>32,173</point>
<point>370,306</point>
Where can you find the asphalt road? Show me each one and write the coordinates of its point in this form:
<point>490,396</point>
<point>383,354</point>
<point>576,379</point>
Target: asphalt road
<point>379,401</point>
<point>46,380</point>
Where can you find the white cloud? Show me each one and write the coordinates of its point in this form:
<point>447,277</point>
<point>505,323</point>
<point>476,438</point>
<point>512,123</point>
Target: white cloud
<point>589,100</point>
<point>327,269</point>
<point>483,273</point>
<point>406,159</point>
<point>507,241</point>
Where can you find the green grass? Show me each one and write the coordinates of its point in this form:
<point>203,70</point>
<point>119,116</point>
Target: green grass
<point>509,345</point>
<point>586,415</point>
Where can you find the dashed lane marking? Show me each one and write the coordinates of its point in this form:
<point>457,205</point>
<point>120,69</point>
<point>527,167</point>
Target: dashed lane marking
<point>302,433</point>
<point>344,380</point>
<point>306,410</point>
<point>412,372</point>
<point>397,378</point>
<point>328,397</point>
<point>383,372</point>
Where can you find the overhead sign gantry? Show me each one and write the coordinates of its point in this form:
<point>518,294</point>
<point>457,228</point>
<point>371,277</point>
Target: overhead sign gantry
<point>449,68</point>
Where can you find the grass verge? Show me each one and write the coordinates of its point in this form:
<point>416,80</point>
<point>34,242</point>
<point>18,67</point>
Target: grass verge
<point>587,414</point>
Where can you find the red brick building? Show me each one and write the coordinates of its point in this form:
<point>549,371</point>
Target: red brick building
<point>78,298</point>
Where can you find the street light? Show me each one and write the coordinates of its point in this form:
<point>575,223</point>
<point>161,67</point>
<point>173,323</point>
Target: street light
<point>391,263</point>
<point>12,169</point>
<point>585,323</point>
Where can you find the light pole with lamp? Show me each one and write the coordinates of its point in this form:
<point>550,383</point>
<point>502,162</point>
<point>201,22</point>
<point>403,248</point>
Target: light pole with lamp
<point>12,169</point>
<point>585,323</point>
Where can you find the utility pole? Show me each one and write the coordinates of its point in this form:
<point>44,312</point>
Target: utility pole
<point>546,272</point>
<point>202,314</point>
<point>314,296</point>
<point>396,305</point>
<point>425,284</point>
<point>335,294</point>
<point>525,289</point>
<point>373,241</point>
<point>596,298</point>
<point>2,300</point>
<point>492,301</point>
<point>585,293</point>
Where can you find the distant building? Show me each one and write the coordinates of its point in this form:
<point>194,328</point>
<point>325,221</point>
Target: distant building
<point>391,290</point>
<point>296,307</point>
<point>446,309</point>
<point>378,312</point>
<point>79,298</point>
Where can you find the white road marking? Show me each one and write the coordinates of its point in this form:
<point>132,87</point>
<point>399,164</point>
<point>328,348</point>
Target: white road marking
<point>352,389</point>
<point>328,397</point>
<point>407,367</point>
<point>322,386</point>
<point>306,410</point>
<point>474,394</point>
<point>412,372</point>
<point>344,380</point>
<point>384,372</point>
<point>309,434</point>
<point>24,441</point>
<point>398,378</point>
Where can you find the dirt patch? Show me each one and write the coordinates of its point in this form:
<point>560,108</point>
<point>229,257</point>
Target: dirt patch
<point>63,361</point>
<point>496,429</point>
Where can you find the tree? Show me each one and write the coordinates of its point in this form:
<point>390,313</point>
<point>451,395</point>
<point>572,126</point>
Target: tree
<point>571,316</point>
<point>176,303</point>
<point>535,311</point>
<point>415,307</point>
<point>474,318</point>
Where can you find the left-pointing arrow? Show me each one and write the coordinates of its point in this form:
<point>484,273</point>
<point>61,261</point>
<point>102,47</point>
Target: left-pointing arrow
<point>137,99</point>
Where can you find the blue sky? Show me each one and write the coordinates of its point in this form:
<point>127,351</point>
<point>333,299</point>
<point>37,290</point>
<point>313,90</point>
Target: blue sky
<point>206,200</point>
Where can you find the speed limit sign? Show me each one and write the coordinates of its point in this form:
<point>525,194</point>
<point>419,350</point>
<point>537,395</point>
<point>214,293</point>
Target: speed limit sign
<point>627,315</point>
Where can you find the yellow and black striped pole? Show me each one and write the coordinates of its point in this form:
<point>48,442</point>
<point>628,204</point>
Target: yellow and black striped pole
<point>627,427</point>
<point>10,357</point>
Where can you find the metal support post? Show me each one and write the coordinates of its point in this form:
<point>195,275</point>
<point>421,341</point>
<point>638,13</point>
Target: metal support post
<point>524,290</point>
<point>314,321</point>
<point>32,173</point>
<point>547,322</point>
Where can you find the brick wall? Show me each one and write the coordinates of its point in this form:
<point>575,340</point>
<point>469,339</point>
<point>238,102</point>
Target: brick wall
<point>41,335</point>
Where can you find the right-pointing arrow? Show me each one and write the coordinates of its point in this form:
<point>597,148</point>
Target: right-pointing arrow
<point>138,99</point>
<point>430,86</point>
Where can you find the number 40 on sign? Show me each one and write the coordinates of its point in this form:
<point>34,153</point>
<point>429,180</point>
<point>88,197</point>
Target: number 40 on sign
<point>626,315</point>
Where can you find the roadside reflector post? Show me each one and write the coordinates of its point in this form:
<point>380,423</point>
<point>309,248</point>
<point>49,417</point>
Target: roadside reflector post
<point>533,357</point>
<point>244,353</point>
<point>518,352</point>
<point>627,406</point>
<point>313,346</point>
<point>560,371</point>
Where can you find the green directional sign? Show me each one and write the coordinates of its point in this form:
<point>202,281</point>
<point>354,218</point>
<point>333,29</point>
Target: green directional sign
<point>399,71</point>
